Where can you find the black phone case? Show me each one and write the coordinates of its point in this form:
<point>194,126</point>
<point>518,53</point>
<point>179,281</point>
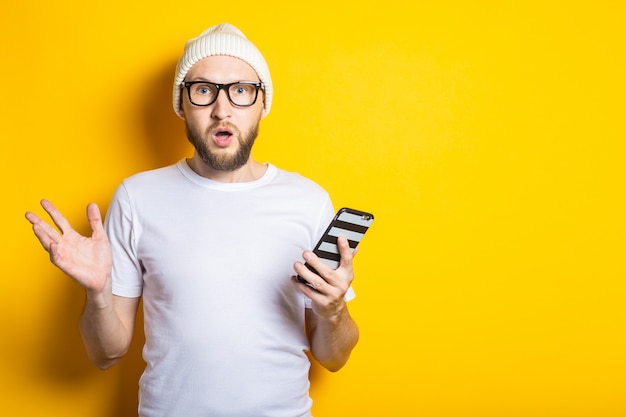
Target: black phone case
<point>347,222</point>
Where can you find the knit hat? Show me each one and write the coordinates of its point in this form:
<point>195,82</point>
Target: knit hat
<point>222,39</point>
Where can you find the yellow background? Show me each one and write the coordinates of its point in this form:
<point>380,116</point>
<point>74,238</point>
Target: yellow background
<point>486,136</point>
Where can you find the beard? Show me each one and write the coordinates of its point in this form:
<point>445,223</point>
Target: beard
<point>222,161</point>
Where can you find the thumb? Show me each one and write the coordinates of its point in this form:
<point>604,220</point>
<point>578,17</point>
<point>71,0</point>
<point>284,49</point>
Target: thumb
<point>95,218</point>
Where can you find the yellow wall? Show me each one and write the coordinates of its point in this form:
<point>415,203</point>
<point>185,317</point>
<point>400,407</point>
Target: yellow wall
<point>487,137</point>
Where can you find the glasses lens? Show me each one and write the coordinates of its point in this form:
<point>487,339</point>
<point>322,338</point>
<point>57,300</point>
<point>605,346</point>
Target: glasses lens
<point>242,94</point>
<point>202,94</point>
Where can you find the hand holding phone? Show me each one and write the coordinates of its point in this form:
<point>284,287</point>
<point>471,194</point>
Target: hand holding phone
<point>347,222</point>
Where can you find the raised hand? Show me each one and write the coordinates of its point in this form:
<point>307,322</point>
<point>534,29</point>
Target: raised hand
<point>85,259</point>
<point>330,329</point>
<point>330,286</point>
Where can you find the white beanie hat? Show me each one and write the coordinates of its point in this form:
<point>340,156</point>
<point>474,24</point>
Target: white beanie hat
<point>222,39</point>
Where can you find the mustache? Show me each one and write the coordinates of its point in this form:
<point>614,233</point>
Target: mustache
<point>222,126</point>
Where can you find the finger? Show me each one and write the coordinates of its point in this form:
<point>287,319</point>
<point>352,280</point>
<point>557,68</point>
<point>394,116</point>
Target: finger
<point>56,216</point>
<point>45,233</point>
<point>95,219</point>
<point>345,251</point>
<point>308,290</point>
<point>313,278</point>
<point>32,218</point>
<point>42,236</point>
<point>321,269</point>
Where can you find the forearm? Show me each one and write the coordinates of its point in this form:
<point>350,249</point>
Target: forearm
<point>333,338</point>
<point>104,334</point>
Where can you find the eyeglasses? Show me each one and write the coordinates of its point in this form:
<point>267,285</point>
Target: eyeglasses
<point>240,94</point>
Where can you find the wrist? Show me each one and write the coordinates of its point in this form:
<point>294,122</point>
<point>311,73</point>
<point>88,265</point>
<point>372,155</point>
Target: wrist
<point>101,297</point>
<point>337,316</point>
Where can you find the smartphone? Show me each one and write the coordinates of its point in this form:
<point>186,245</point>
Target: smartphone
<point>347,222</point>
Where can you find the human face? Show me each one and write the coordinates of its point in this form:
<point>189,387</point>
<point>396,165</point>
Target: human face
<point>222,133</point>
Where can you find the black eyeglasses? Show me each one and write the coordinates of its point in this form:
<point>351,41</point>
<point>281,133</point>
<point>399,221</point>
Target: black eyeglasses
<point>240,94</point>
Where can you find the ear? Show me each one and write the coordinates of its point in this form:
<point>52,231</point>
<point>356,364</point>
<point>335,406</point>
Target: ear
<point>181,112</point>
<point>264,112</point>
<point>181,99</point>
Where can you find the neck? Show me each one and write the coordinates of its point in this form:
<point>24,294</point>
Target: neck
<point>250,171</point>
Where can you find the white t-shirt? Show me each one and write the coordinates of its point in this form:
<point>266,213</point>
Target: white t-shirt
<point>213,261</point>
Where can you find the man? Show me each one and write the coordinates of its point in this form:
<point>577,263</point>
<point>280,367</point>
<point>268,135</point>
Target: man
<point>211,244</point>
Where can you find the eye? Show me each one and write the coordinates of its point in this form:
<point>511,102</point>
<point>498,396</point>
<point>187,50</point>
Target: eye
<point>203,89</point>
<point>242,89</point>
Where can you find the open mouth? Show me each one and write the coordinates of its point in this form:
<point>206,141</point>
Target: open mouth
<point>222,132</point>
<point>222,136</point>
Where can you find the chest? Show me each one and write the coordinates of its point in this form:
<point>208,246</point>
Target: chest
<point>209,247</point>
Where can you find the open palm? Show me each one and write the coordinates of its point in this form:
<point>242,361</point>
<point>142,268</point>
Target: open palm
<point>86,259</point>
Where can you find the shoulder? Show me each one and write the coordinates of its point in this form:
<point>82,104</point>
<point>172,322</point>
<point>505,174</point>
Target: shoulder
<point>147,186</point>
<point>158,181</point>
<point>298,182</point>
<point>153,175</point>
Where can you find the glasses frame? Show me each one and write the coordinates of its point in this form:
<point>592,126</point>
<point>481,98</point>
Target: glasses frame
<point>226,87</point>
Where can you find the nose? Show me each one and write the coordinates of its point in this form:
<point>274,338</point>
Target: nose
<point>222,107</point>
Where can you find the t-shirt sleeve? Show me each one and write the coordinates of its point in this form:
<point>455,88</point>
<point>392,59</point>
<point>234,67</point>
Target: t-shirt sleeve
<point>121,231</point>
